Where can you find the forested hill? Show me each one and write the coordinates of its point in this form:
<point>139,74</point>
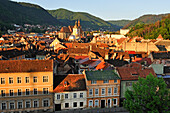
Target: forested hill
<point>87,20</point>
<point>145,19</point>
<point>120,23</point>
<point>152,31</point>
<point>21,13</point>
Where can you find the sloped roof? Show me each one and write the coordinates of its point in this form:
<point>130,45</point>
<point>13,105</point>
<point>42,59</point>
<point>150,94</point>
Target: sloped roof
<point>101,75</point>
<point>133,71</point>
<point>161,55</point>
<point>73,82</point>
<point>65,29</point>
<point>158,68</point>
<point>160,37</point>
<point>14,66</point>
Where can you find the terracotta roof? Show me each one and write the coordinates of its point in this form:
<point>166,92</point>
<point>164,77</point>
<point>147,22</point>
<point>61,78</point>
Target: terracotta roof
<point>65,29</point>
<point>9,66</point>
<point>73,82</point>
<point>80,57</point>
<point>133,71</point>
<point>78,50</point>
<point>160,37</point>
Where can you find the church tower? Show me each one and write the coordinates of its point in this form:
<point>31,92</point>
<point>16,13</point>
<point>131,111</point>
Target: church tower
<point>76,30</point>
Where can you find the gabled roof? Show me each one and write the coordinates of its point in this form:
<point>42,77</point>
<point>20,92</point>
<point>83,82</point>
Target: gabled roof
<point>101,75</point>
<point>16,66</point>
<point>65,29</point>
<point>73,82</point>
<point>133,71</point>
<point>160,37</point>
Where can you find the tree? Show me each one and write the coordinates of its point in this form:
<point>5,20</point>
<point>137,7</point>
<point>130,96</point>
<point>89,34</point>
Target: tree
<point>148,95</point>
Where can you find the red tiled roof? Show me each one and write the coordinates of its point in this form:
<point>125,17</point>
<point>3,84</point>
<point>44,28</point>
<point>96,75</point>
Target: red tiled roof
<point>69,45</point>
<point>73,82</point>
<point>80,57</point>
<point>160,37</point>
<point>101,65</point>
<point>9,66</point>
<point>133,71</point>
<point>119,41</point>
<point>65,29</point>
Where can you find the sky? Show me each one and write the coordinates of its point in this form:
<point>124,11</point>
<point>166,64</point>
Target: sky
<point>108,9</point>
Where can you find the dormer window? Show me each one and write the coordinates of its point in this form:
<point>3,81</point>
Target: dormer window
<point>66,83</point>
<point>93,82</point>
<point>134,74</point>
<point>105,81</point>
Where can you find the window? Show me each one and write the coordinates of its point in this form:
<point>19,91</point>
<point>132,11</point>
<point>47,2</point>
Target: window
<point>3,106</point>
<point>96,91</point>
<point>81,95</point>
<point>35,103</point>
<point>115,90</point>
<point>96,103</point>
<point>115,101</point>
<point>109,90</point>
<point>27,104</point>
<point>81,104</point>
<point>35,80</point>
<point>10,80</point>
<point>115,81</point>
<point>2,80</point>
<point>103,91</point>
<point>27,80</point>
<point>90,103</point>
<point>74,95</point>
<point>58,96</point>
<point>66,96</point>
<point>27,92</point>
<point>11,105</point>
<point>19,105</point>
<point>93,82</point>
<point>45,103</point>
<point>3,93</point>
<point>66,105</point>
<point>74,104</point>
<point>90,91</point>
<point>18,79</point>
<point>45,90</point>
<point>105,81</point>
<point>11,92</point>
<point>19,92</point>
<point>35,91</point>
<point>45,78</point>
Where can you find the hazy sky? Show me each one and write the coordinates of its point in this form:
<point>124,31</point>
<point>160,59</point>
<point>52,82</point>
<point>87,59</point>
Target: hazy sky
<point>108,9</point>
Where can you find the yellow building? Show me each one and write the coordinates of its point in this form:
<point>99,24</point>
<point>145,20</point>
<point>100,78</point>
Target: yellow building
<point>26,85</point>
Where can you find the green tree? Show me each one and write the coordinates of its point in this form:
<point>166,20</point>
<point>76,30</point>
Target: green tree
<point>148,95</point>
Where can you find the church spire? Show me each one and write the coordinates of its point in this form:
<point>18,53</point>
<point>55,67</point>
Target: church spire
<point>79,23</point>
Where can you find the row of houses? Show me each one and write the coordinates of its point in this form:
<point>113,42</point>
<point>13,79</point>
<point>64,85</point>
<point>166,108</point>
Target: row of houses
<point>31,85</point>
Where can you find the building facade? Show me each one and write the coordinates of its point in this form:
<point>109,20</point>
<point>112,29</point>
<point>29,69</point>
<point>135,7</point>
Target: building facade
<point>71,93</point>
<point>26,86</point>
<point>103,89</point>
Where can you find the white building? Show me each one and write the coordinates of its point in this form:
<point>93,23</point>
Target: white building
<point>71,93</point>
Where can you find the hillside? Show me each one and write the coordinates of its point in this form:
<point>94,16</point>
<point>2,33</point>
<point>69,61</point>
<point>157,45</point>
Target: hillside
<point>145,19</point>
<point>21,13</point>
<point>152,31</point>
<point>119,22</point>
<point>87,20</point>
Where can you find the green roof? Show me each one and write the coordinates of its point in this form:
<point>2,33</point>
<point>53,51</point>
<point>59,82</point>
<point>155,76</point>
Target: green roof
<point>102,75</point>
<point>158,68</point>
